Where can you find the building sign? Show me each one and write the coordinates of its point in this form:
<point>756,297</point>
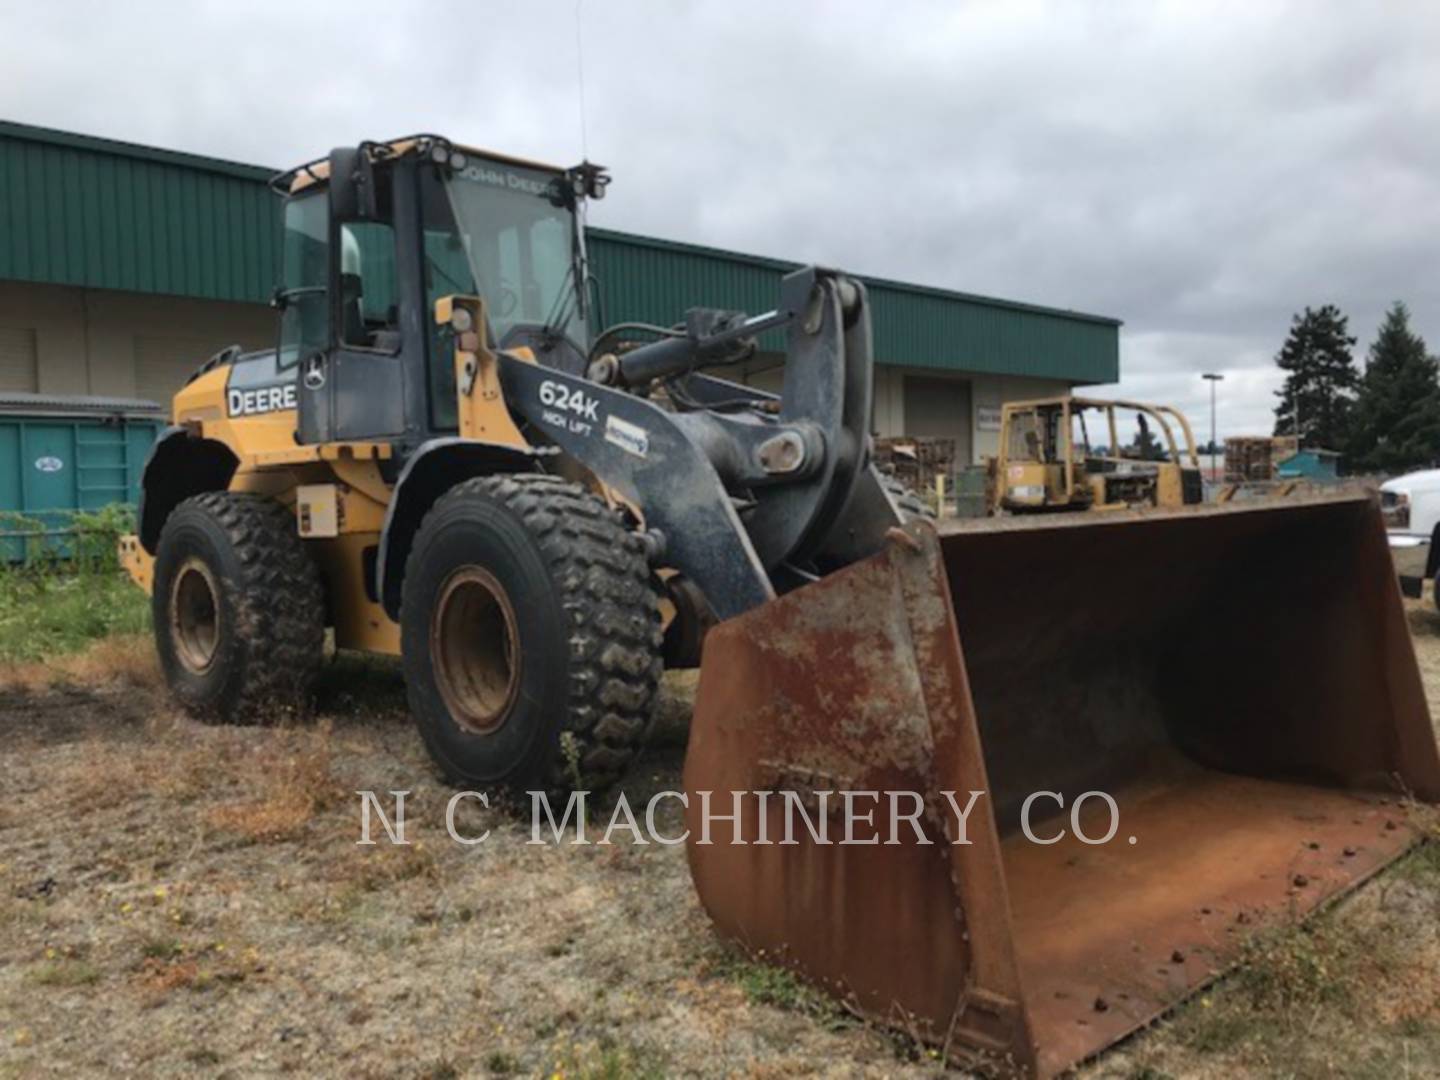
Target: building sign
<point>987,417</point>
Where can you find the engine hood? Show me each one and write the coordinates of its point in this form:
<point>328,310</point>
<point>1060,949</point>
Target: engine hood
<point>1423,480</point>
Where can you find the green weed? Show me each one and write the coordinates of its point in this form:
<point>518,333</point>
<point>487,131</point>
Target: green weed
<point>46,613</point>
<point>501,1064</point>
<point>765,983</point>
<point>159,948</point>
<point>1298,965</point>
<point>66,973</point>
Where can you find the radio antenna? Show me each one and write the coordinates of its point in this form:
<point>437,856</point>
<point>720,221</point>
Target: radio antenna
<point>580,81</point>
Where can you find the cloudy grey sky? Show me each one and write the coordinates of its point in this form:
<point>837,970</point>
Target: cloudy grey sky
<point>1198,170</point>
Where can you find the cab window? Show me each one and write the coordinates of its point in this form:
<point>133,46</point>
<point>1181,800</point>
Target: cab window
<point>304,270</point>
<point>1026,437</point>
<point>369,308</point>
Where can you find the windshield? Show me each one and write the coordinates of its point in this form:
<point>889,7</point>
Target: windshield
<point>1032,435</point>
<point>519,246</point>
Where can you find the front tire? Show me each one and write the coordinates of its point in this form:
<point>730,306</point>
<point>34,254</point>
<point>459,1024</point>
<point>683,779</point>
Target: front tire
<point>237,609</point>
<point>530,635</point>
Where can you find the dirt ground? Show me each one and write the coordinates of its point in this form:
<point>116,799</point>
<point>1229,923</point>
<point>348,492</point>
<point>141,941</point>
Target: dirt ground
<point>181,899</point>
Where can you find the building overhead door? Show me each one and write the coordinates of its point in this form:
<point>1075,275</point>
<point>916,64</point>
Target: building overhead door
<point>19,366</point>
<point>163,364</point>
<point>939,407</point>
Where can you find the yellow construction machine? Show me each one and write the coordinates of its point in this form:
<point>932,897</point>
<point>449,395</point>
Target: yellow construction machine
<point>445,459</point>
<point>1048,461</point>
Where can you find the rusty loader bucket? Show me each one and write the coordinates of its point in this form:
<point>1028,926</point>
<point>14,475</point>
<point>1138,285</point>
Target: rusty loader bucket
<point>1239,678</point>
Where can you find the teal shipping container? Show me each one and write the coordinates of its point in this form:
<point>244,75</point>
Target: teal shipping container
<point>60,455</point>
<point>1318,465</point>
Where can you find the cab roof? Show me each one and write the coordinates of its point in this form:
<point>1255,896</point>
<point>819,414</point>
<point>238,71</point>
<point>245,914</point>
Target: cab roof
<point>318,171</point>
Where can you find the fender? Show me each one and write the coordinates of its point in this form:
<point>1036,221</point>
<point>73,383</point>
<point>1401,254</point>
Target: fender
<point>436,467</point>
<point>180,464</point>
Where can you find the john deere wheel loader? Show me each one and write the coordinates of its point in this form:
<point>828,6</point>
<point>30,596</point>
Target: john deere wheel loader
<point>438,462</point>
<point>442,459</point>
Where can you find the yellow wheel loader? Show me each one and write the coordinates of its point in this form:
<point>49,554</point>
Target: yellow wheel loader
<point>1047,461</point>
<point>1163,728</point>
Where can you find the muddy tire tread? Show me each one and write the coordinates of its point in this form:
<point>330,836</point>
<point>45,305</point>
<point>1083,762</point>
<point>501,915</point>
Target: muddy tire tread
<point>906,498</point>
<point>279,606</point>
<point>601,573</point>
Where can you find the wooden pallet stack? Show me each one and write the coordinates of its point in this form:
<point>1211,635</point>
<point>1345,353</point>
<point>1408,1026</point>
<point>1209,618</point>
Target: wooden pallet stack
<point>916,460</point>
<point>1249,459</point>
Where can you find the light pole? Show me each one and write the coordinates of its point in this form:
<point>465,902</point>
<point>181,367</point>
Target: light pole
<point>1212,378</point>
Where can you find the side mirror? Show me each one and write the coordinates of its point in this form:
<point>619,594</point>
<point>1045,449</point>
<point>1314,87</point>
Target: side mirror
<point>352,185</point>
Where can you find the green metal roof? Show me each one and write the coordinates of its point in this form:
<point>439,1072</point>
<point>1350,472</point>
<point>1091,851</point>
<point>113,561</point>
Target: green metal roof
<point>651,280</point>
<point>79,210</point>
<point>76,210</point>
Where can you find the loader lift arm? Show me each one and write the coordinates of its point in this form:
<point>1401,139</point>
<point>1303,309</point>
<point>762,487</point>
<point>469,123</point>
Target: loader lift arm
<point>794,467</point>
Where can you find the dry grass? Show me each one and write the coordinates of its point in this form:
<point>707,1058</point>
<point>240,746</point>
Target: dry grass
<point>125,661</point>
<point>256,786</point>
<point>285,784</point>
<point>66,973</point>
<point>212,875</point>
<point>176,898</point>
<point>157,977</point>
<point>94,777</point>
<point>230,922</point>
<point>379,868</point>
<point>176,967</point>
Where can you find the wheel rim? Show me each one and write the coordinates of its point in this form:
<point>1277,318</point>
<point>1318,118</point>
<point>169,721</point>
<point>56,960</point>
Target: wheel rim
<point>195,616</point>
<point>476,650</point>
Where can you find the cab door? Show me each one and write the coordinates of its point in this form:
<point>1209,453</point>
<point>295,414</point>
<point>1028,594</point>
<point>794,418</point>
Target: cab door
<point>364,372</point>
<point>303,298</point>
<point>341,327</point>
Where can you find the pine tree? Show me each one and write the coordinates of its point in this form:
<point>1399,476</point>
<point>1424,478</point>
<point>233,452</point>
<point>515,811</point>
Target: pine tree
<point>1321,380</point>
<point>1397,419</point>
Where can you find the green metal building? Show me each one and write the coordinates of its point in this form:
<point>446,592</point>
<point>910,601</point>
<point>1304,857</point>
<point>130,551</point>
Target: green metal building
<point>124,266</point>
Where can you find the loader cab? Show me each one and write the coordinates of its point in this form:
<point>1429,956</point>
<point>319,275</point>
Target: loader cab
<point>374,236</point>
<point>1034,474</point>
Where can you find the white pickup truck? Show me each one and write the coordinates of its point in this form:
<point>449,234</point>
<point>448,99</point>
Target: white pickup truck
<point>1411,505</point>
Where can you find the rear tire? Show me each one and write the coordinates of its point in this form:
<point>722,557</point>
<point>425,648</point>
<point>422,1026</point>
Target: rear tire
<point>237,609</point>
<point>531,636</point>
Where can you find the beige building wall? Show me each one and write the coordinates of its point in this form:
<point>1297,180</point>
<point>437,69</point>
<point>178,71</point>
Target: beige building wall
<point>60,340</point>
<point>119,344</point>
<point>976,423</point>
